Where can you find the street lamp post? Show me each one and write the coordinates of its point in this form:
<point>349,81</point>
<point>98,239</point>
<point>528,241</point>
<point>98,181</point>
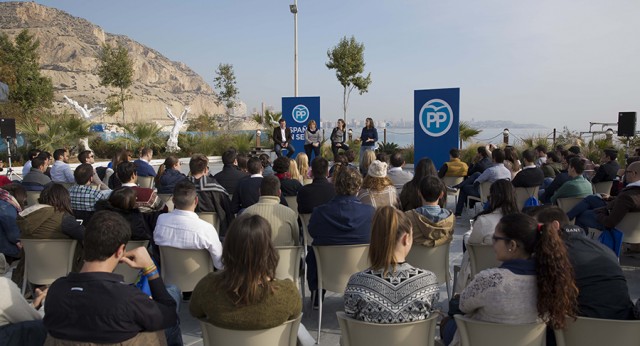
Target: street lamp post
<point>294,9</point>
<point>505,136</point>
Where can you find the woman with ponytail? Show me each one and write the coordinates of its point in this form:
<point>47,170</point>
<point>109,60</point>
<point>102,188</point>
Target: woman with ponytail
<point>409,293</point>
<point>169,175</point>
<point>535,281</point>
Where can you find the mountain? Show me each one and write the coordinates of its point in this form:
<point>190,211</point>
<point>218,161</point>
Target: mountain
<point>68,49</point>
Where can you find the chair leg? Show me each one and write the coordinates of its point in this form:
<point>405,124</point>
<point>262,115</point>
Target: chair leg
<point>319,297</point>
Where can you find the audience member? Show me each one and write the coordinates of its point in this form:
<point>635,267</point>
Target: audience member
<point>294,172</point>
<point>377,189</point>
<point>604,211</point>
<point>169,175</point>
<point>530,175</point>
<point>33,153</point>
<point>230,174</point>
<point>10,206</point>
<point>242,163</point>
<point>288,186</point>
<point>87,156</point>
<point>366,157</point>
<point>283,220</point>
<point>123,201</point>
<point>112,179</point>
<point>212,197</point>
<point>83,195</point>
<point>343,220</point>
<point>303,163</point>
<point>501,203</point>
<point>553,166</point>
<point>481,161</point>
<point>577,185</point>
<point>433,225</point>
<point>20,321</point>
<point>496,172</point>
<point>454,167</point>
<point>398,176</point>
<point>248,188</point>
<point>143,166</point>
<point>94,306</point>
<point>540,155</point>
<point>511,161</point>
<point>146,199</point>
<point>561,178</point>
<point>246,295</point>
<point>183,229</point>
<point>525,287</point>
<point>61,172</point>
<point>409,293</point>
<point>608,170</point>
<point>36,180</point>
<point>410,195</point>
<point>602,287</point>
<point>265,160</point>
<point>320,191</point>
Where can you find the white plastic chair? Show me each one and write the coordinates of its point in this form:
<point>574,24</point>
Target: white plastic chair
<point>524,193</point>
<point>184,267</point>
<point>46,260</point>
<point>450,181</point>
<point>433,259</point>
<point>285,334</point>
<point>479,333</point>
<point>211,217</point>
<point>146,182</point>
<point>481,257</point>
<point>359,333</point>
<point>130,275</point>
<point>595,331</point>
<point>630,226</point>
<point>289,264</point>
<point>602,187</point>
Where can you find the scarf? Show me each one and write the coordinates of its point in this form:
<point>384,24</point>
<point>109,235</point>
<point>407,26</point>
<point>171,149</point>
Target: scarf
<point>6,196</point>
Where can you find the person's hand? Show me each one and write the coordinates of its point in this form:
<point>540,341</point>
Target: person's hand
<point>40,296</point>
<point>137,258</point>
<point>316,144</point>
<point>19,245</point>
<point>338,144</point>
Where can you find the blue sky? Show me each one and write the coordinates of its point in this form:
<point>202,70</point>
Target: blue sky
<point>553,63</point>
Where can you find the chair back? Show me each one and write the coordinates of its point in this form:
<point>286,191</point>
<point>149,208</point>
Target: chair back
<point>523,193</point>
<point>602,187</point>
<point>289,263</point>
<point>292,202</point>
<point>481,257</point>
<point>359,333</point>
<point>156,338</point>
<point>47,259</point>
<point>451,181</point>
<point>433,259</point>
<point>285,334</point>
<point>130,275</point>
<point>32,197</point>
<point>484,191</point>
<point>184,267</point>
<point>167,199</point>
<point>304,219</point>
<point>211,217</point>
<point>567,203</point>
<point>595,331</point>
<point>478,333</point>
<point>336,264</point>
<point>630,226</point>
<point>146,182</point>
<point>67,185</point>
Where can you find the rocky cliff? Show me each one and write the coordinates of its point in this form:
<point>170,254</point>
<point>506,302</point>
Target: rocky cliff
<point>68,49</point>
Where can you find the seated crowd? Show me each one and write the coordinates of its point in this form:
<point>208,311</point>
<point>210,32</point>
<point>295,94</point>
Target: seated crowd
<point>550,268</point>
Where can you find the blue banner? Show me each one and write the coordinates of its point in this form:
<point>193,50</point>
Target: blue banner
<point>436,124</point>
<point>297,112</point>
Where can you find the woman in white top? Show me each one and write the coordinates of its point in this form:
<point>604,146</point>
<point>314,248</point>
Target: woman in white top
<point>502,201</point>
<point>20,323</point>
<point>377,189</point>
<point>535,281</point>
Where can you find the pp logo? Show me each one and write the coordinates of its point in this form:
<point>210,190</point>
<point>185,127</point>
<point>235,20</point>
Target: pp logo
<point>300,114</point>
<point>436,117</point>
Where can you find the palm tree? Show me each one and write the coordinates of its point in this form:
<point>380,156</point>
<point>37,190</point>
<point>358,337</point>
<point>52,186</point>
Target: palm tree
<point>467,132</point>
<point>58,131</point>
<point>142,135</point>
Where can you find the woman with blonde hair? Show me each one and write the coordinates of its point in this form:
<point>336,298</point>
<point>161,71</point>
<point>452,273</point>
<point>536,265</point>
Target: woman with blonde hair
<point>365,160</point>
<point>409,293</point>
<point>303,166</point>
<point>246,295</point>
<point>312,140</point>
<point>377,189</point>
<point>294,172</point>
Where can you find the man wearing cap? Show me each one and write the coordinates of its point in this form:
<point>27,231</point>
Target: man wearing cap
<point>282,139</point>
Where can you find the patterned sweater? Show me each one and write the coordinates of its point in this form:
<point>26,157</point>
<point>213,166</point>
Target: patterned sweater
<point>406,295</point>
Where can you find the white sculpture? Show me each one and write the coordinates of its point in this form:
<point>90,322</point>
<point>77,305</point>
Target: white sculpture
<point>85,111</point>
<point>178,122</point>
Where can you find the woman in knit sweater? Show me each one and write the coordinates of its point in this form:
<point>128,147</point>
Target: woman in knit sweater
<point>312,140</point>
<point>535,281</point>
<point>246,295</point>
<point>391,290</point>
<point>339,138</point>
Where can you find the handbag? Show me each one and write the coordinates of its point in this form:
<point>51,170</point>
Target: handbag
<point>612,238</point>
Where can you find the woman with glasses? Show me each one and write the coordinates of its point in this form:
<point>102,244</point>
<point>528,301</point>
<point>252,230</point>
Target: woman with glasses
<point>535,281</point>
<point>168,175</point>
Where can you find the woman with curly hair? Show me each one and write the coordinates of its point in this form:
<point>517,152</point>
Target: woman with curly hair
<point>410,194</point>
<point>246,295</point>
<point>535,281</point>
<point>502,201</point>
<point>409,293</point>
<point>377,189</point>
<point>303,167</point>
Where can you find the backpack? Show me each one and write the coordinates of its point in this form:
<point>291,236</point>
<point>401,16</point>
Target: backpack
<point>531,202</point>
<point>612,238</point>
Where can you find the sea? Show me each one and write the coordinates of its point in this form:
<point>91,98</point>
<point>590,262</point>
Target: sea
<point>403,136</point>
